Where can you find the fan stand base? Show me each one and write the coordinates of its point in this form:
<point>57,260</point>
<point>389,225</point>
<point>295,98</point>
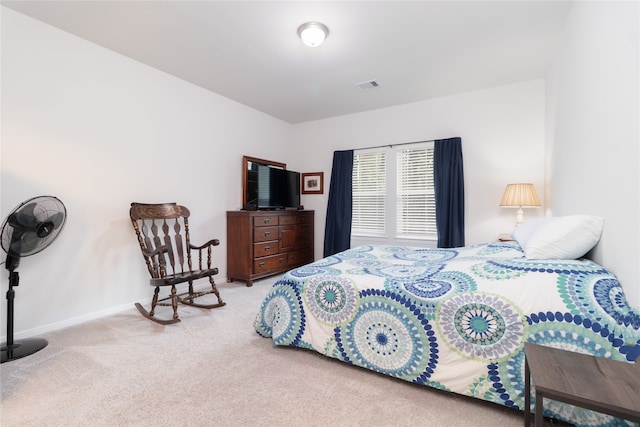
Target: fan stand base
<point>22,348</point>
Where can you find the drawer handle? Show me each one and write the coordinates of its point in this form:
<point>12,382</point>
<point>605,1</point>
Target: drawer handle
<point>286,220</point>
<point>281,260</point>
<point>267,248</point>
<point>266,221</point>
<point>261,264</point>
<point>267,233</point>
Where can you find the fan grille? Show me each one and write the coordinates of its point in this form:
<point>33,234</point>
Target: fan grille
<point>33,225</point>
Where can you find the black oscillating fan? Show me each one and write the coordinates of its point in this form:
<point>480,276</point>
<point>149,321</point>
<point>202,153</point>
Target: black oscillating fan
<point>30,228</point>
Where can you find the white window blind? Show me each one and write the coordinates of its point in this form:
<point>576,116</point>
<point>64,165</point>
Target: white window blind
<point>369,193</point>
<point>393,193</point>
<point>416,204</point>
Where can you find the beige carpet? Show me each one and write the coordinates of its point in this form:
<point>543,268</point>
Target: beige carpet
<point>212,369</point>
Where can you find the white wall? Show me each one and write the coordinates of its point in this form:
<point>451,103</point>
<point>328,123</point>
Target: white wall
<point>594,132</point>
<point>99,131</point>
<point>502,131</point>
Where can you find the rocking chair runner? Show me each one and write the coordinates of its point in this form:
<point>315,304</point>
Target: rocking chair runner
<point>160,228</point>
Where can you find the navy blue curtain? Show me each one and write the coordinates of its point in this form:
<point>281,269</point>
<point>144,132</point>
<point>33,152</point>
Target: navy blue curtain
<point>449,188</point>
<point>337,230</point>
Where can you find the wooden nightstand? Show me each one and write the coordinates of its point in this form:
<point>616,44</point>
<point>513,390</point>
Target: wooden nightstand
<point>595,383</point>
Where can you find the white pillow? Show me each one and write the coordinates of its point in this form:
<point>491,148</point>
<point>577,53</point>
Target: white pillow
<point>565,237</point>
<point>524,231</point>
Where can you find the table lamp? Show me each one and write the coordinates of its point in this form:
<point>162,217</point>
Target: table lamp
<point>519,196</point>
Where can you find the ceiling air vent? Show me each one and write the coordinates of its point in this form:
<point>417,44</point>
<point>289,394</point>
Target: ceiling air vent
<point>368,84</point>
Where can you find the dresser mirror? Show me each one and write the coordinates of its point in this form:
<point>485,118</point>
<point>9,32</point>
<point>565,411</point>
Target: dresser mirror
<point>251,164</point>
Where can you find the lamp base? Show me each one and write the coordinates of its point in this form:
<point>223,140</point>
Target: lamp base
<point>519,217</point>
<point>22,348</point>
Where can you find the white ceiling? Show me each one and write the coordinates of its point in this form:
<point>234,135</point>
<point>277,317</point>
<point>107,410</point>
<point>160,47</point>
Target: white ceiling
<point>249,51</point>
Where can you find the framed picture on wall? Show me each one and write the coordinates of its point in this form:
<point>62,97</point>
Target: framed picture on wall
<point>313,183</point>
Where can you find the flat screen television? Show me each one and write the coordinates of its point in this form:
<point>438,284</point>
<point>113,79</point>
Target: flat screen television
<point>272,188</point>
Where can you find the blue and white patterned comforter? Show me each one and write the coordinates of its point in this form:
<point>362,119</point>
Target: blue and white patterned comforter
<point>454,319</point>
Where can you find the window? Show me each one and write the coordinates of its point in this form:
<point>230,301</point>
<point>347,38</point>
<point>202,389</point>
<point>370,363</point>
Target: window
<point>415,193</point>
<point>393,194</point>
<point>369,193</point>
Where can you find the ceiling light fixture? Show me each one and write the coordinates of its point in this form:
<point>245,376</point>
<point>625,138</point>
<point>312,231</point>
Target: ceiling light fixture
<point>313,33</point>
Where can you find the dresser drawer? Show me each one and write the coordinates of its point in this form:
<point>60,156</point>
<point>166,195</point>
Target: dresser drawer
<point>270,263</point>
<point>289,219</point>
<point>265,249</point>
<point>300,257</point>
<point>265,221</point>
<point>305,219</point>
<point>263,234</point>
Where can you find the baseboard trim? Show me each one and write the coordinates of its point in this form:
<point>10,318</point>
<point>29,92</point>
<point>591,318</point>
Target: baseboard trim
<point>41,330</point>
<point>68,322</point>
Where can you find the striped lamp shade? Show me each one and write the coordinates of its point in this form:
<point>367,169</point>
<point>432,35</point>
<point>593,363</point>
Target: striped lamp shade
<point>519,196</point>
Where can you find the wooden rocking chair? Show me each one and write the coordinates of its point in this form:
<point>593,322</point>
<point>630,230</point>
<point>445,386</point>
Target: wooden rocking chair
<point>160,229</point>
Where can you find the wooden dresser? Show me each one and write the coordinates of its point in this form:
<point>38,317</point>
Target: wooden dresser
<point>264,243</point>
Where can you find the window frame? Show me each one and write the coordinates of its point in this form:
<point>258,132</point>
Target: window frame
<point>391,235</point>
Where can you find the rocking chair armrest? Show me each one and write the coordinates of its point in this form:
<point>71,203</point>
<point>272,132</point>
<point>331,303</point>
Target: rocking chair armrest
<point>212,242</point>
<point>159,250</point>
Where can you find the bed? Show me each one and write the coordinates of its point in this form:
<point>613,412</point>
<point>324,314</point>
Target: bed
<point>453,319</point>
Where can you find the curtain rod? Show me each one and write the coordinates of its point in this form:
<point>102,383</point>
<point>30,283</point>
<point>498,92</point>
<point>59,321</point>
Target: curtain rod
<point>394,145</point>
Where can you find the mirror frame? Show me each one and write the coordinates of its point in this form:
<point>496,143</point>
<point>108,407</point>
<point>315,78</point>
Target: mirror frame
<point>245,168</point>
